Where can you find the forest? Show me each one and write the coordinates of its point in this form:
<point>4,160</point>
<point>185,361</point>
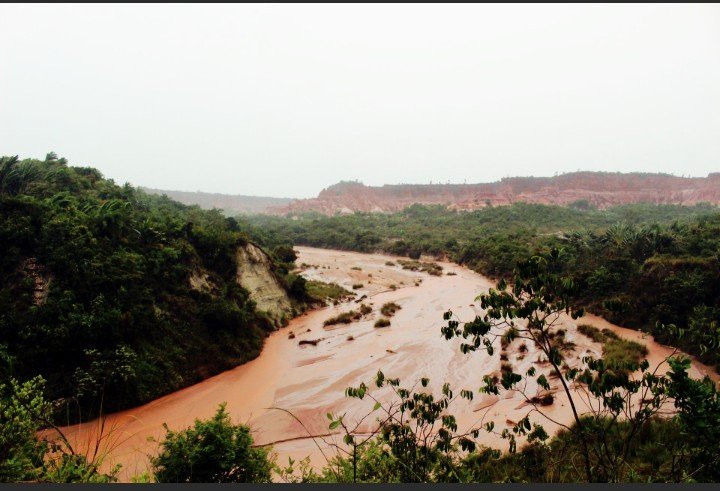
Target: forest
<point>95,294</point>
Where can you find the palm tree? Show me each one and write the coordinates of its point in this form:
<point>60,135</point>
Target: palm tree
<point>16,175</point>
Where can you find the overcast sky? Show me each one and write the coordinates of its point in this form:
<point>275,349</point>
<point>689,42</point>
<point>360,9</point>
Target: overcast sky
<point>286,100</point>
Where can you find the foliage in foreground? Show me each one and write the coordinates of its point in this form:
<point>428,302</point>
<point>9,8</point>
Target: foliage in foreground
<point>24,456</point>
<point>213,450</point>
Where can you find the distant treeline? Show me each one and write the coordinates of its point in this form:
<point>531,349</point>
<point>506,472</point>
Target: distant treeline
<point>637,265</point>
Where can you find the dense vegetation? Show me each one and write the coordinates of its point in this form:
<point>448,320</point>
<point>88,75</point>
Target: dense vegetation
<point>637,265</point>
<point>95,294</point>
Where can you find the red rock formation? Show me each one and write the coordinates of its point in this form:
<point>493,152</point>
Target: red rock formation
<point>598,188</point>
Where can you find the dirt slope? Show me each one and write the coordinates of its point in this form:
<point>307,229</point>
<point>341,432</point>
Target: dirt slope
<point>598,188</point>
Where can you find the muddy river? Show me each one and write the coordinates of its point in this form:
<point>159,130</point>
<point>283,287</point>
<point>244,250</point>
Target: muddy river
<point>309,380</point>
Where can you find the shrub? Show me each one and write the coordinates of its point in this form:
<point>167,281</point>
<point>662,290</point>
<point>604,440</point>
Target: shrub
<point>618,353</point>
<point>327,291</point>
<point>430,268</point>
<point>213,450</point>
<point>389,309</point>
<point>344,318</point>
<point>382,322</point>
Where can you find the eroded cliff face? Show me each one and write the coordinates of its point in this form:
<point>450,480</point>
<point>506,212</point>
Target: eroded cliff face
<point>255,274</point>
<point>600,189</point>
<point>41,279</point>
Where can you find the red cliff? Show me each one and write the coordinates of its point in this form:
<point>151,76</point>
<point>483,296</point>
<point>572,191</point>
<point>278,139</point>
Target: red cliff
<point>598,188</point>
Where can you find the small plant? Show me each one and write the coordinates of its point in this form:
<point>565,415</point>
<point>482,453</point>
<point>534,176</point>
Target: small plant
<point>357,285</point>
<point>365,309</point>
<point>433,269</point>
<point>382,322</point>
<point>389,309</point>
<point>619,353</point>
<point>331,292</point>
<point>344,318</point>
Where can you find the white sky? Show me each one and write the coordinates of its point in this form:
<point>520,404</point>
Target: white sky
<point>285,100</point>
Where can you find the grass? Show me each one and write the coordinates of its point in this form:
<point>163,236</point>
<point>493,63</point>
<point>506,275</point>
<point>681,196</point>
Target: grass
<point>618,353</point>
<point>344,318</point>
<point>357,285</point>
<point>382,322</point>
<point>319,290</point>
<point>389,309</point>
<point>365,309</point>
<point>430,268</point>
<point>389,263</point>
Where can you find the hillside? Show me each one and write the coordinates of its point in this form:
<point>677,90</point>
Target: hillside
<point>597,189</point>
<point>118,296</point>
<point>231,204</point>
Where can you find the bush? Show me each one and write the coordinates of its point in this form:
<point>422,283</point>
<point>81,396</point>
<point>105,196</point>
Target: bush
<point>23,456</point>
<point>319,290</point>
<point>344,318</point>
<point>389,309</point>
<point>213,450</point>
<point>618,353</point>
<point>382,322</point>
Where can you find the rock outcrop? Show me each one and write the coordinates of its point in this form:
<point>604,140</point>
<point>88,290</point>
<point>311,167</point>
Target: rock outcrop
<point>41,279</point>
<point>255,274</point>
<point>600,189</point>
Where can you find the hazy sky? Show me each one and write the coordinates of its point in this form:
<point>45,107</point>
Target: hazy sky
<point>285,100</point>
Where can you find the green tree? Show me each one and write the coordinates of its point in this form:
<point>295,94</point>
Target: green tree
<point>213,450</point>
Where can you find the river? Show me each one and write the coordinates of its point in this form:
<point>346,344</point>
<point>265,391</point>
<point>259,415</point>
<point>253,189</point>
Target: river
<point>309,381</point>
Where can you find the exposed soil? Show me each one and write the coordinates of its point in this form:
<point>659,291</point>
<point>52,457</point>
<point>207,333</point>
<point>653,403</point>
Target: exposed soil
<point>600,189</point>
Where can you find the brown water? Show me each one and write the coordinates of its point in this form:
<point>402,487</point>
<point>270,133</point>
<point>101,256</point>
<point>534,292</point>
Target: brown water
<point>310,380</point>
